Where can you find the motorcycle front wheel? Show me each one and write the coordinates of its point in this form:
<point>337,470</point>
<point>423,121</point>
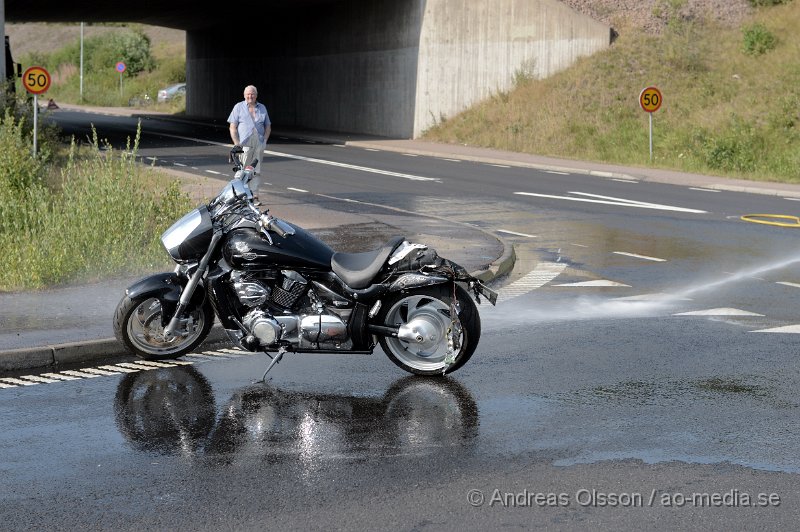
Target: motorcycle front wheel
<point>137,324</point>
<point>427,310</point>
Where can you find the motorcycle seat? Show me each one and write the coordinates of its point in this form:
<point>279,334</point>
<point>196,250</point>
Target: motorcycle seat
<point>358,270</point>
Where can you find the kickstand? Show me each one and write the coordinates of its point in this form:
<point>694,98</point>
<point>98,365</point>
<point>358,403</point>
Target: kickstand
<point>275,360</point>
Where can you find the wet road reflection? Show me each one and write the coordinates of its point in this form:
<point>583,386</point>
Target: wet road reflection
<point>174,412</point>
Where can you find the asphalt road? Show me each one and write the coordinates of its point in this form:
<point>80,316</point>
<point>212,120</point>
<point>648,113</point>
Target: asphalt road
<point>639,372</point>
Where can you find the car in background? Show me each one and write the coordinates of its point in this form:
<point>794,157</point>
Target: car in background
<point>171,92</point>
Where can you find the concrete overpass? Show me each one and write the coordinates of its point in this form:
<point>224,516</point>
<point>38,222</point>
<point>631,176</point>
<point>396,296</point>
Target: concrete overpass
<point>383,67</point>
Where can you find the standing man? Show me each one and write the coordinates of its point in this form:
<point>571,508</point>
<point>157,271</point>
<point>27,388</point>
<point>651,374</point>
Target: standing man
<point>250,128</point>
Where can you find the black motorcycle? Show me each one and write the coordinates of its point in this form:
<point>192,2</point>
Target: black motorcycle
<point>276,288</point>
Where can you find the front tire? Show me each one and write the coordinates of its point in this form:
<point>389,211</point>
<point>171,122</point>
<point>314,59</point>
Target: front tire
<point>137,324</point>
<point>429,310</point>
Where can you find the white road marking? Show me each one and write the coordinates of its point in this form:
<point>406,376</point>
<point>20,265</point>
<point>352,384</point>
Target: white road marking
<point>540,276</point>
<point>296,189</point>
<point>216,355</point>
<point>179,164</point>
<point>719,312</point>
<point>120,368</point>
<point>786,283</point>
<point>789,329</point>
<point>635,256</point>
<point>607,200</point>
<point>19,382</point>
<point>201,356</point>
<point>339,145</point>
<point>599,282</point>
<point>370,149</point>
<point>214,172</point>
<point>6,385</point>
<point>555,172</point>
<point>80,374</point>
<point>653,297</point>
<point>352,166</point>
<point>792,199</point>
<point>39,378</point>
<point>629,181</point>
<point>579,245</point>
<point>138,366</point>
<point>155,364</point>
<point>704,189</point>
<point>515,233</point>
<point>60,377</point>
<point>223,354</point>
<point>411,155</point>
<point>451,160</point>
<point>499,165</point>
<point>317,161</point>
<point>102,372</point>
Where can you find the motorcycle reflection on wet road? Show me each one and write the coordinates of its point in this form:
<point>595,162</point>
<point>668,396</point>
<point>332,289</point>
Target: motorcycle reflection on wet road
<point>174,412</point>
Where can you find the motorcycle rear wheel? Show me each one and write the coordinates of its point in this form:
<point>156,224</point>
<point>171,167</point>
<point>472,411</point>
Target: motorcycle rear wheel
<point>137,324</point>
<point>429,308</point>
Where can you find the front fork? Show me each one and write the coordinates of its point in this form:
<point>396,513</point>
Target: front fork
<point>188,291</point>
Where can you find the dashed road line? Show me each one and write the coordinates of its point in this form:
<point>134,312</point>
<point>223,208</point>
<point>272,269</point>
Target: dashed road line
<point>108,370</point>
<point>789,329</point>
<point>81,374</point>
<point>637,256</point>
<point>61,377</point>
<point>119,368</point>
<point>540,276</point>
<point>506,231</point>
<point>18,382</point>
<point>720,312</point>
<point>608,200</point>
<point>598,282</point>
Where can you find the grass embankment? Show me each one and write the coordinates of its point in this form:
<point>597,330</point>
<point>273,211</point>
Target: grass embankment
<point>731,102</point>
<point>80,214</point>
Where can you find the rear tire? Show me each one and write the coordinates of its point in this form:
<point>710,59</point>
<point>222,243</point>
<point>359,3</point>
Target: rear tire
<point>137,324</point>
<point>429,308</point>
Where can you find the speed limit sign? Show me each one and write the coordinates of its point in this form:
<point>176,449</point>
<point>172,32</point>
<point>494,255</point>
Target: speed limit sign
<point>36,80</point>
<point>650,99</point>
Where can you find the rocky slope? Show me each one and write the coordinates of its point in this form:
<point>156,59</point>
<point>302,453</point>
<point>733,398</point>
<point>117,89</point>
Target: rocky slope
<point>652,16</point>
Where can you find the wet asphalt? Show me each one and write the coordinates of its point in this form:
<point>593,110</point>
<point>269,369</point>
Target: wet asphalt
<point>569,416</point>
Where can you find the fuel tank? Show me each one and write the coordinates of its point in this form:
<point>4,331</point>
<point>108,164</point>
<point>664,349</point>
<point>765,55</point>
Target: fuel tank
<point>247,249</point>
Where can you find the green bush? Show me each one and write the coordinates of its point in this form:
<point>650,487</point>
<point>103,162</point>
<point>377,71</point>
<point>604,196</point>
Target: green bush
<point>758,40</point>
<point>102,53</point>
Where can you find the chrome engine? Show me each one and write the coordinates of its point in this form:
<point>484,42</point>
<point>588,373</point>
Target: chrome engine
<point>286,310</point>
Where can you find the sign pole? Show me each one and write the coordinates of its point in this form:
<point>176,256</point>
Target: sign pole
<point>651,136</point>
<point>120,68</point>
<point>35,121</point>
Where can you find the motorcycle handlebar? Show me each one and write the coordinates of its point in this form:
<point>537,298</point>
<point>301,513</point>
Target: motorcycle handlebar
<point>277,226</point>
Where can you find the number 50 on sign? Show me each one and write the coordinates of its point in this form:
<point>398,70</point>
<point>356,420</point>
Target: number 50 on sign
<point>650,99</point>
<point>36,80</point>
